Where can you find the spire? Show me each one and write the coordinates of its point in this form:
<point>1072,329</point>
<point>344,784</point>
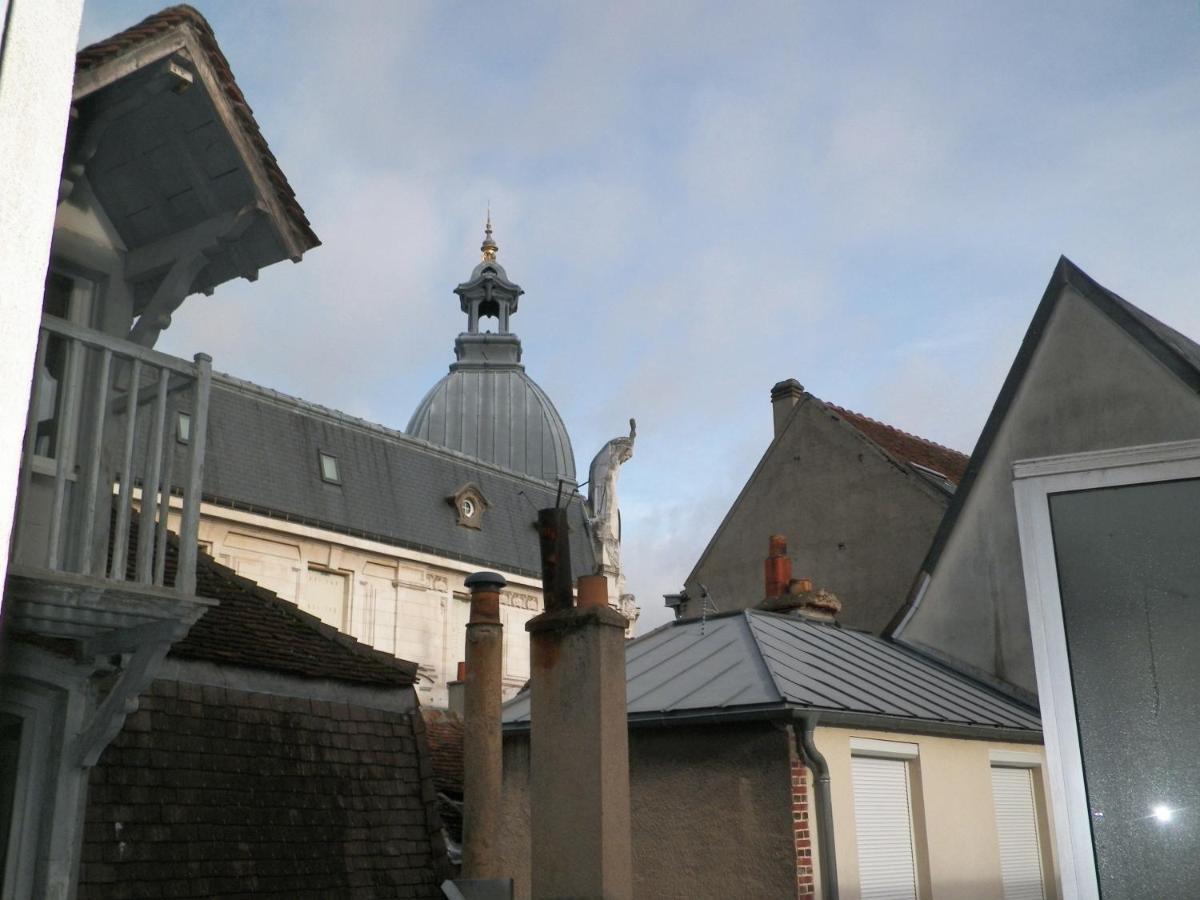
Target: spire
<point>488,246</point>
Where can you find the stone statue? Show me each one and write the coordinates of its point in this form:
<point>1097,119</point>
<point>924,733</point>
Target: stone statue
<point>602,499</point>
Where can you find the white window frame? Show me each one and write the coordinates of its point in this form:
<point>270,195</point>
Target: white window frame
<point>1033,482</point>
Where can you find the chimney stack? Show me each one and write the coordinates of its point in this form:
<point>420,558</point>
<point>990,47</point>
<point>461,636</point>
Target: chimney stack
<point>785,594</point>
<point>482,761</point>
<point>784,397</point>
<point>777,568</point>
<point>579,737</point>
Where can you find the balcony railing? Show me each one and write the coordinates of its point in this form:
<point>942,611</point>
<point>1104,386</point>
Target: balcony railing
<point>112,428</point>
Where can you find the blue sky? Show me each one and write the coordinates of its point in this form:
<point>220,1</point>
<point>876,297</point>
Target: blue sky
<point>701,200</point>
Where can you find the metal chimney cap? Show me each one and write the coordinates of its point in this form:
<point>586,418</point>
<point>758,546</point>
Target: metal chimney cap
<point>482,581</point>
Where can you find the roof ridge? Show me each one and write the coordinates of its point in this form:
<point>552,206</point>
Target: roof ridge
<point>104,50</point>
<point>908,434</point>
<point>346,642</point>
<point>249,387</point>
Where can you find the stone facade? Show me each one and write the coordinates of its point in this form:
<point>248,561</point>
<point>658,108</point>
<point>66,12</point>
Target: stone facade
<point>403,602</point>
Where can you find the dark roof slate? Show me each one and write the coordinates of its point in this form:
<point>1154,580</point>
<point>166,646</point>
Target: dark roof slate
<point>184,16</point>
<point>262,456</point>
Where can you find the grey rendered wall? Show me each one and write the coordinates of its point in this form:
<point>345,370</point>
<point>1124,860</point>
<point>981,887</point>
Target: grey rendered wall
<point>711,811</point>
<point>1088,387</point>
<point>857,524</point>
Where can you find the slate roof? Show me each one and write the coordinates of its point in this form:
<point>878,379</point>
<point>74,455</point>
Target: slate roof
<point>759,662</point>
<point>184,16</point>
<point>908,447</point>
<point>1176,351</point>
<point>262,456</point>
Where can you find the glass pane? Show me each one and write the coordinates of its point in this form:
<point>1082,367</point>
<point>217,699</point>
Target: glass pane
<point>50,398</point>
<point>329,468</point>
<point>1129,575</point>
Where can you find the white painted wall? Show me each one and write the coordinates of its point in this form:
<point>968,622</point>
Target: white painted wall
<point>37,70</point>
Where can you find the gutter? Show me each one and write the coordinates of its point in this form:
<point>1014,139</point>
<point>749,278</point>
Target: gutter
<point>804,723</point>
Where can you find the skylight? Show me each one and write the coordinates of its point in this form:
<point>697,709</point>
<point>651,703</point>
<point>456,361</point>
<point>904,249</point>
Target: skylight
<point>329,468</point>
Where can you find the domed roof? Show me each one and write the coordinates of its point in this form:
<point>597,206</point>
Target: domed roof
<point>498,415</point>
<point>487,407</point>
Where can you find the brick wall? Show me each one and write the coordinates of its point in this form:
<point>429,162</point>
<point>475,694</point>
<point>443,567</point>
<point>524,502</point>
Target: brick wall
<point>212,792</point>
<point>805,882</point>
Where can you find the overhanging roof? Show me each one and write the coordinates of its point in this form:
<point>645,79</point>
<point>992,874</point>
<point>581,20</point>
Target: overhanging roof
<point>171,146</point>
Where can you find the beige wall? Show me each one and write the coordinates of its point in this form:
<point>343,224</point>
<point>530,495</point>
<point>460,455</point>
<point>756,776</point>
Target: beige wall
<point>404,602</point>
<point>954,818</point>
<point>710,808</point>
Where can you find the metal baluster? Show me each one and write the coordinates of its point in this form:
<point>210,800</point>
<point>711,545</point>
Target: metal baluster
<point>93,473</point>
<point>189,525</point>
<point>145,568</point>
<point>125,497</point>
<point>31,421</point>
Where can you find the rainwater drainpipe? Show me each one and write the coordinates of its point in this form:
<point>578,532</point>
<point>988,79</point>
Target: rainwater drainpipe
<point>804,723</point>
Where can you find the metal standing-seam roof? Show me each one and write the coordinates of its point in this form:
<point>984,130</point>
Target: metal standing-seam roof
<point>753,661</point>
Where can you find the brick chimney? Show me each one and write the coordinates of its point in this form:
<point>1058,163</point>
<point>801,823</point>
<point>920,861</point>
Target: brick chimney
<point>795,596</point>
<point>784,397</point>
<point>777,568</point>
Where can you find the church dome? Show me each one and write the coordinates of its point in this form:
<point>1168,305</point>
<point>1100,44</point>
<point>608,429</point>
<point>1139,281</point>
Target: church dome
<point>499,415</point>
<point>487,407</point>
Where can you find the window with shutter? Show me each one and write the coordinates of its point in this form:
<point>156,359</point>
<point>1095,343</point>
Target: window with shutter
<point>883,824</point>
<point>1016,825</point>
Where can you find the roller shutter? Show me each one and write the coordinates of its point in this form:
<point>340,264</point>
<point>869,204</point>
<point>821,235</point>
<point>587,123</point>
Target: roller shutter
<point>883,823</point>
<point>1016,825</point>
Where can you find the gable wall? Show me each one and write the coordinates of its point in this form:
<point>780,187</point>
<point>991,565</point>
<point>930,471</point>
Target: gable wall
<point>1088,387</point>
<point>856,523</point>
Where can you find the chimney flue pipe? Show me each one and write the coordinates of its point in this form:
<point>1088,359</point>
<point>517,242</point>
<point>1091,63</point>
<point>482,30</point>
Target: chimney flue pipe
<point>482,761</point>
<point>777,568</point>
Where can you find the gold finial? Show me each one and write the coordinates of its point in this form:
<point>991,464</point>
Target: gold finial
<point>488,246</point>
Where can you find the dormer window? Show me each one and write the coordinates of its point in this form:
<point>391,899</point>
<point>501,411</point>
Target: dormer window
<point>469,503</point>
<point>329,468</point>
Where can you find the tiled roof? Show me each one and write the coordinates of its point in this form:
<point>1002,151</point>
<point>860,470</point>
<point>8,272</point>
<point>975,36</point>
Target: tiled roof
<point>755,661</point>
<point>182,16</point>
<point>444,731</point>
<point>253,627</point>
<point>907,447</point>
<point>215,792</point>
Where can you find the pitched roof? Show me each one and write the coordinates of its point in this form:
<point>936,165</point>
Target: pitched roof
<point>180,17</point>
<point>1177,352</point>
<point>253,627</point>
<point>759,662</point>
<point>908,447</point>
<point>444,732</point>
<point>262,457</point>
